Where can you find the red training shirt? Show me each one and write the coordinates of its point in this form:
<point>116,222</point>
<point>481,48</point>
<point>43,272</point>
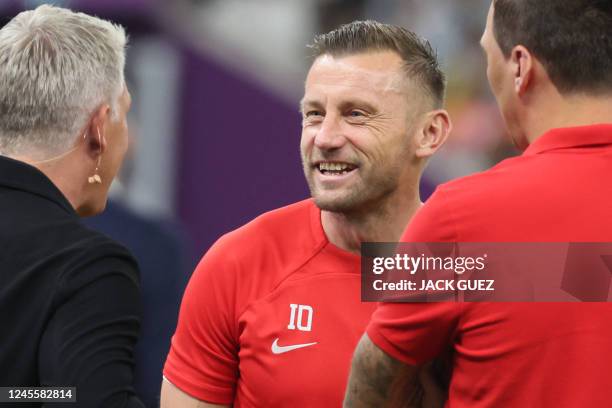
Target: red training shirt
<point>271,316</point>
<point>517,354</point>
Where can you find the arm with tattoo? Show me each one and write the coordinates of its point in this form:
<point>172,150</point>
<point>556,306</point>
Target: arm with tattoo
<point>379,380</point>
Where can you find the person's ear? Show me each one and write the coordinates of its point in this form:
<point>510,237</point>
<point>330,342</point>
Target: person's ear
<point>95,133</point>
<point>522,66</point>
<point>434,132</point>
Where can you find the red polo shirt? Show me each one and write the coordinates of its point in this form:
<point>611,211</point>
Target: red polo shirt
<point>517,354</point>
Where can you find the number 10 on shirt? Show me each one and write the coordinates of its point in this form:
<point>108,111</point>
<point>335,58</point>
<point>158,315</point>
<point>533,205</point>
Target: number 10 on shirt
<point>303,312</point>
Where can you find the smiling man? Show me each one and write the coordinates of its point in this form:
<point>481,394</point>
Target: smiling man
<point>272,313</point>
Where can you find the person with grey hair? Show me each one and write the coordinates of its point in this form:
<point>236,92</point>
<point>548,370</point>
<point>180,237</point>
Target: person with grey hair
<point>272,313</point>
<point>69,296</point>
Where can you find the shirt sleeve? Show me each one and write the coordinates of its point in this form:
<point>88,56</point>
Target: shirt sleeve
<point>89,341</point>
<point>419,332</point>
<point>203,357</point>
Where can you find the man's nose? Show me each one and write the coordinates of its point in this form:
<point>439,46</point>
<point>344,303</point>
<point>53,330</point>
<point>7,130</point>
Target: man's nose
<point>330,136</point>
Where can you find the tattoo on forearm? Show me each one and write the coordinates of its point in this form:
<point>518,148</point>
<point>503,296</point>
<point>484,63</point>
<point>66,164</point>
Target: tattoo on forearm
<point>378,380</point>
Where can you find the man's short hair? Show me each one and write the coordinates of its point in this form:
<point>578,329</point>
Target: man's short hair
<point>420,60</point>
<point>56,68</point>
<point>572,39</point>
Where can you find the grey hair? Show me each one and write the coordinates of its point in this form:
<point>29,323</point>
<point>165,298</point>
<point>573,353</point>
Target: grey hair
<point>56,68</point>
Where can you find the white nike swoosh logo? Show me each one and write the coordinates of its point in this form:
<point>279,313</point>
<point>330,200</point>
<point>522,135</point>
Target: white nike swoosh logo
<point>276,349</point>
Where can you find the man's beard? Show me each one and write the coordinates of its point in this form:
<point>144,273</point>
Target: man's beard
<point>367,195</point>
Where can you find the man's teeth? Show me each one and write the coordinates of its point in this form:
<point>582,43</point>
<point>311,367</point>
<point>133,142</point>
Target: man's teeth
<point>335,167</point>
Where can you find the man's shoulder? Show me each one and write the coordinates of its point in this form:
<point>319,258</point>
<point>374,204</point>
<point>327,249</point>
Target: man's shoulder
<point>466,208</point>
<point>68,253</point>
<point>294,224</point>
<point>272,245</point>
<point>487,183</point>
<point>57,234</point>
<point>99,244</point>
<point>94,254</point>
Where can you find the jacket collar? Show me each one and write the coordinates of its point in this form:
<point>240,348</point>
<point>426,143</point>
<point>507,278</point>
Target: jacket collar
<point>22,176</point>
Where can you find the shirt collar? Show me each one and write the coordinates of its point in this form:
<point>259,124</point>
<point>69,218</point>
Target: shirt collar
<point>563,138</point>
<point>22,176</point>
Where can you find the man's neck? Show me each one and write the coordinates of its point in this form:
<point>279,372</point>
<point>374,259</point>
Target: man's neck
<point>383,224</point>
<point>569,111</point>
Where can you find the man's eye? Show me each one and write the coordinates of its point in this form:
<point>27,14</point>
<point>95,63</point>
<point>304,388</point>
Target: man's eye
<point>356,113</point>
<point>313,113</point>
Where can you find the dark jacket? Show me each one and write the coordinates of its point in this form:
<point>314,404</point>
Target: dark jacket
<point>69,296</point>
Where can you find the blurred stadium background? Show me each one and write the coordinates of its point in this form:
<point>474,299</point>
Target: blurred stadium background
<point>215,123</point>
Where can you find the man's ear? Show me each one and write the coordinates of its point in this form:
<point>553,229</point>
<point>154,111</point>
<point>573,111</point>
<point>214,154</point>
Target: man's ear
<point>522,65</point>
<point>436,128</point>
<point>95,132</point>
